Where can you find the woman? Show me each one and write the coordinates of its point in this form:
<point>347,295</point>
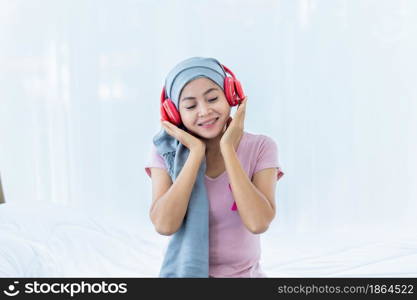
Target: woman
<point>213,183</point>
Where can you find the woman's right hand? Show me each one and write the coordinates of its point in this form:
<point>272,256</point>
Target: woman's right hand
<point>188,140</point>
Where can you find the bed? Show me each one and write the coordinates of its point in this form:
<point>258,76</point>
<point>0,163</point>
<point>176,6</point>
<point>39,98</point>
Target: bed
<point>52,240</point>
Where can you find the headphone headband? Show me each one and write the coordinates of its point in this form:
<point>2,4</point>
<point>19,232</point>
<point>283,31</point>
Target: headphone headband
<point>226,69</point>
<point>229,71</point>
<point>163,94</point>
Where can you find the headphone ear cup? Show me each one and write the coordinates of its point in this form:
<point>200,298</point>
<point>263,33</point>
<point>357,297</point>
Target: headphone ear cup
<point>229,90</point>
<point>239,89</point>
<point>164,115</point>
<point>170,111</point>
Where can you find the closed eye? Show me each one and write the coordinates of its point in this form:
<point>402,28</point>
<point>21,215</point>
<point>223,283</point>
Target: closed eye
<point>210,100</point>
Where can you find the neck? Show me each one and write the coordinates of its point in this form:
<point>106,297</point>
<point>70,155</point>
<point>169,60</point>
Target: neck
<point>213,145</point>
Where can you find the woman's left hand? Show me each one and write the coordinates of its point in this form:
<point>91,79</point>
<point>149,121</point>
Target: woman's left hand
<point>234,132</point>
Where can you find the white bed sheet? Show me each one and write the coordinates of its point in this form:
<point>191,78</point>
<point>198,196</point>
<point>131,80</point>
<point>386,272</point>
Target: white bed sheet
<point>55,241</point>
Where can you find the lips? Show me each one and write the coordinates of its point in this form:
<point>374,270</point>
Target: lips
<point>208,122</point>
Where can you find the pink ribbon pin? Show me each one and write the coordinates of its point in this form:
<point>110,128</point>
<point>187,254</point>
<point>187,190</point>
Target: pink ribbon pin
<point>234,207</point>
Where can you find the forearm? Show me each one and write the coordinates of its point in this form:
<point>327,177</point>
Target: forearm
<point>254,208</point>
<point>172,206</point>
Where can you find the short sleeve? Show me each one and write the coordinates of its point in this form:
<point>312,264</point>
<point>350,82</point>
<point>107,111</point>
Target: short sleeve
<point>267,156</point>
<point>154,161</point>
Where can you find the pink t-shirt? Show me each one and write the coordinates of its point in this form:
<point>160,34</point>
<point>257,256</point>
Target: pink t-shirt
<point>234,250</point>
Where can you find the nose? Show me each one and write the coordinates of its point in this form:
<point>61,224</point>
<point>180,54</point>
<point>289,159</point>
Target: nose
<point>204,109</point>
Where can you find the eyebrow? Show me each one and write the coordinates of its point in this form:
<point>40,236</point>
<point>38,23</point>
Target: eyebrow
<point>205,93</point>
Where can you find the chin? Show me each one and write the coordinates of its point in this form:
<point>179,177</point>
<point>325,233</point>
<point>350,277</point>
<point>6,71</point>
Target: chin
<point>207,136</point>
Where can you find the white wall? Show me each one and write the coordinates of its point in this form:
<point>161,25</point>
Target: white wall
<point>334,83</point>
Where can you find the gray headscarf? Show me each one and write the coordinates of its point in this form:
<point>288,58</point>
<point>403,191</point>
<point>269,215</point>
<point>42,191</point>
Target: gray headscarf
<point>187,254</point>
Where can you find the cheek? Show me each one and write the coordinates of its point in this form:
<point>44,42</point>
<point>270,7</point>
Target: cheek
<point>227,109</point>
<point>225,105</point>
<point>186,118</point>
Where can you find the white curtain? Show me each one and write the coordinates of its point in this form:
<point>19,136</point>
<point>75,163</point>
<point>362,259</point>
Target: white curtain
<point>332,82</point>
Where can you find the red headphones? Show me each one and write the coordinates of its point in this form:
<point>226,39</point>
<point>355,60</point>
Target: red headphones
<point>232,89</point>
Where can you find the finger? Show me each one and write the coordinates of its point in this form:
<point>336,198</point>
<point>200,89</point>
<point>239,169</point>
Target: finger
<point>240,113</point>
<point>173,128</point>
<point>244,108</point>
<point>244,101</point>
<point>174,131</point>
<point>168,128</point>
<point>168,124</point>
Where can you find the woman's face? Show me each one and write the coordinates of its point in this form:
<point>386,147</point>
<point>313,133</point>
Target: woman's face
<point>201,102</point>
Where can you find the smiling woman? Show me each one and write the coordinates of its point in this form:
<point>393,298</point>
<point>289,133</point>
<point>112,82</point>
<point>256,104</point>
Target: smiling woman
<point>215,220</point>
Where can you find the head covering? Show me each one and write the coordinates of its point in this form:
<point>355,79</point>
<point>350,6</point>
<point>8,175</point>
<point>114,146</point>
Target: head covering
<point>191,69</point>
<point>187,254</point>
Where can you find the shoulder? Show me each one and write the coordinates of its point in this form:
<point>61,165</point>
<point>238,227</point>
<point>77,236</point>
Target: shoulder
<point>259,147</point>
<point>261,152</point>
<point>258,141</point>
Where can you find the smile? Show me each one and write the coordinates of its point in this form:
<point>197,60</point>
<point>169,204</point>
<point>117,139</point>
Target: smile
<point>209,124</point>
